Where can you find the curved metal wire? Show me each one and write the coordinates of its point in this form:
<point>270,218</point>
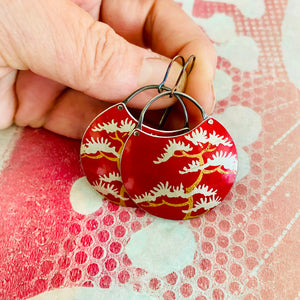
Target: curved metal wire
<point>161,87</point>
<point>167,93</point>
<point>168,71</point>
<point>167,110</point>
<point>191,60</point>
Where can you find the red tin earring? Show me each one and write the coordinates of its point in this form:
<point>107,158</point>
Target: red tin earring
<point>183,176</point>
<point>103,141</point>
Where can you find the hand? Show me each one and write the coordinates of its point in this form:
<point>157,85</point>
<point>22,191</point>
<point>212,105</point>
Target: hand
<point>60,66</point>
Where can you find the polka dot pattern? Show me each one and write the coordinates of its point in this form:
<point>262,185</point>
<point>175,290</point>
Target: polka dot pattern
<point>96,249</point>
<point>123,276</point>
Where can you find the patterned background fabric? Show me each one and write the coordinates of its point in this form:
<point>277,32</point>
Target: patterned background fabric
<point>60,240</point>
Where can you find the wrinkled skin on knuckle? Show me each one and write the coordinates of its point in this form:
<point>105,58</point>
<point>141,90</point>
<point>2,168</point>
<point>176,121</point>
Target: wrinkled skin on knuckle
<point>100,59</point>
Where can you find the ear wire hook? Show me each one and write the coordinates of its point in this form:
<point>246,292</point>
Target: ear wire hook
<point>191,60</point>
<point>168,71</point>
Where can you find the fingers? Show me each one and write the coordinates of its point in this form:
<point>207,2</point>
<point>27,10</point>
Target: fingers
<point>36,95</point>
<point>90,57</point>
<point>72,113</point>
<point>163,26</point>
<point>46,103</point>
<point>174,33</point>
<point>7,97</point>
<point>128,25</point>
<point>60,41</point>
<point>90,6</point>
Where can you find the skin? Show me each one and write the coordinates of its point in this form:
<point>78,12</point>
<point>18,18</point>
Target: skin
<point>62,62</point>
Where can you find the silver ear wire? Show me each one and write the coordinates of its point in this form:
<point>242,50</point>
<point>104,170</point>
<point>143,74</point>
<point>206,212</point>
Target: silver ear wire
<point>168,71</point>
<point>178,95</point>
<point>186,67</point>
<point>191,60</point>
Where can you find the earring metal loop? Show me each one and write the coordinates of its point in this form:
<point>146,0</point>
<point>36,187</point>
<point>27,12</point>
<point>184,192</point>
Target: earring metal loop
<point>168,71</point>
<point>161,87</point>
<point>191,60</point>
<point>167,93</point>
<point>167,110</point>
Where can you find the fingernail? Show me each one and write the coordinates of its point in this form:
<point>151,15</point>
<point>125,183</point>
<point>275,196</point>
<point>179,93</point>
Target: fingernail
<point>153,71</point>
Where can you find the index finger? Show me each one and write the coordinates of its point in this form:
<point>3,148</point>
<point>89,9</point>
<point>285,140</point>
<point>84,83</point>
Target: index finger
<point>174,33</point>
<point>165,28</point>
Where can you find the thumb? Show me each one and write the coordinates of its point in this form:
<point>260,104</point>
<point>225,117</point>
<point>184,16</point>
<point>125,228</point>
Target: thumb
<point>58,40</point>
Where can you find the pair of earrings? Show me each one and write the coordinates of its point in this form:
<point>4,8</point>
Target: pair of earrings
<point>176,175</point>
